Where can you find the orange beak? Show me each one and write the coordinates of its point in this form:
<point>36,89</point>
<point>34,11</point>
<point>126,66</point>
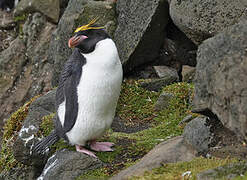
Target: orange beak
<point>75,40</point>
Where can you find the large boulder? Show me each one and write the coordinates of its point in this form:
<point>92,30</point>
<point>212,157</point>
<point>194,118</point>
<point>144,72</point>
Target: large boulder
<point>78,12</point>
<point>201,19</point>
<point>220,85</point>
<point>49,8</point>
<point>140,32</point>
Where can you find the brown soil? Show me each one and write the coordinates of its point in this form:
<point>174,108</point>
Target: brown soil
<point>119,163</point>
<point>228,145</point>
<point>121,125</point>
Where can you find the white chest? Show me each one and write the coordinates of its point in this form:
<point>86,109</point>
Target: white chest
<point>98,92</point>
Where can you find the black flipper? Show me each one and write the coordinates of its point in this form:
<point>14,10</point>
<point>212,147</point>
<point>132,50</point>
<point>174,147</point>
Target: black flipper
<point>67,89</point>
<point>42,146</point>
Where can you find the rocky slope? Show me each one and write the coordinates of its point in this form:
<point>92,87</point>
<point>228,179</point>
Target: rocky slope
<point>155,39</point>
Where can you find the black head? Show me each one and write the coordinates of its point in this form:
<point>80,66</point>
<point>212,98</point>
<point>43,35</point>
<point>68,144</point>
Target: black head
<point>5,4</point>
<point>87,39</point>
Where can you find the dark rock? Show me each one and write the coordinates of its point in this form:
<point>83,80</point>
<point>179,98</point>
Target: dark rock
<point>170,151</point>
<point>12,61</point>
<point>41,107</point>
<point>158,84</point>
<point>220,76</point>
<point>163,101</point>
<point>77,13</point>
<point>66,164</point>
<point>177,49</point>
<point>63,5</point>
<point>140,32</point>
<point>188,74</point>
<point>229,171</point>
<point>200,20</point>
<point>49,8</point>
<point>24,173</point>
<point>200,133</point>
<point>187,119</point>
<point>164,71</point>
<point>6,20</point>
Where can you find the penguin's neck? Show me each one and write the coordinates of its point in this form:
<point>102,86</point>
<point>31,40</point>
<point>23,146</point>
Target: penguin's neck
<point>105,53</point>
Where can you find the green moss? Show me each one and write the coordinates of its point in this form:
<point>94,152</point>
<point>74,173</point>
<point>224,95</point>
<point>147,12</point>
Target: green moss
<point>11,129</point>
<point>175,171</point>
<point>46,125</point>
<point>136,106</point>
<point>135,103</point>
<point>21,18</point>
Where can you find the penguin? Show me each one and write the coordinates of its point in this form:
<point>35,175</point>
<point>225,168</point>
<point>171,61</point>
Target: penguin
<point>87,93</point>
<point>8,4</point>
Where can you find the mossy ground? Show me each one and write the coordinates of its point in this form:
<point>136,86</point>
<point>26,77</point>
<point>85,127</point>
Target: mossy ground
<point>135,108</point>
<point>184,170</point>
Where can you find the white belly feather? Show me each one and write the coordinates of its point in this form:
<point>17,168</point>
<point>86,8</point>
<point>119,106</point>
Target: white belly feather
<point>98,92</point>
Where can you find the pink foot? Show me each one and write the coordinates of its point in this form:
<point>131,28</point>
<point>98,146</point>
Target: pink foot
<point>101,146</point>
<point>85,151</point>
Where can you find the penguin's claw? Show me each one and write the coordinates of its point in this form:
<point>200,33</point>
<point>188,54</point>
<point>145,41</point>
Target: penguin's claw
<point>85,151</point>
<point>101,146</point>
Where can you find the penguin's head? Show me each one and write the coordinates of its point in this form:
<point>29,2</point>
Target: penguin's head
<point>86,37</point>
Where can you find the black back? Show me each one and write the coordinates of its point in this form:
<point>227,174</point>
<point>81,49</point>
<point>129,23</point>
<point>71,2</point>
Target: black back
<point>67,89</point>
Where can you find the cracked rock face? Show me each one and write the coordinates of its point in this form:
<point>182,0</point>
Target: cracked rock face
<point>140,31</point>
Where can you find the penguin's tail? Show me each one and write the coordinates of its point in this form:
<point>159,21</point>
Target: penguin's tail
<point>43,146</point>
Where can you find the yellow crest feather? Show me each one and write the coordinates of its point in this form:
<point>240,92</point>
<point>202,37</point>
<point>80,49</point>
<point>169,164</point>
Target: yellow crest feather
<point>88,26</point>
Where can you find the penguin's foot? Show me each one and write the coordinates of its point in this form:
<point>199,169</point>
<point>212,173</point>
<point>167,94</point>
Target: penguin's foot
<point>85,151</point>
<point>101,146</point>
